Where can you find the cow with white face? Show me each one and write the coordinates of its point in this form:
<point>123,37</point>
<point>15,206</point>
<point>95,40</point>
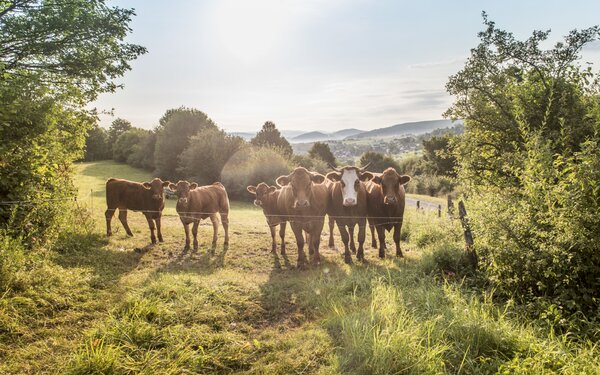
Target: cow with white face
<point>348,206</point>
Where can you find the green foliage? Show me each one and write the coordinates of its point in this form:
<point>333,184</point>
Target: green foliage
<point>320,150</point>
<point>128,143</point>
<point>173,136</point>
<point>143,152</point>
<point>438,155</point>
<point>250,166</point>
<point>96,144</point>
<point>117,127</point>
<point>269,136</point>
<point>207,154</point>
<point>379,162</point>
<point>529,157</point>
<point>312,164</point>
<point>55,57</point>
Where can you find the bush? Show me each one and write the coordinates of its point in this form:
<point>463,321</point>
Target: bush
<point>129,143</point>
<point>250,166</point>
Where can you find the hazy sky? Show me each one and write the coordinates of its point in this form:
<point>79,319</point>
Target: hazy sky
<point>315,64</point>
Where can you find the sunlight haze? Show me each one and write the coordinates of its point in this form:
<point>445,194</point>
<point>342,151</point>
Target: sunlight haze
<point>314,65</point>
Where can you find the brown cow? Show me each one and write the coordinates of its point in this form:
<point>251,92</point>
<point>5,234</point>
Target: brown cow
<point>348,205</point>
<point>303,200</point>
<point>385,202</point>
<point>266,198</point>
<point>197,203</point>
<point>146,197</point>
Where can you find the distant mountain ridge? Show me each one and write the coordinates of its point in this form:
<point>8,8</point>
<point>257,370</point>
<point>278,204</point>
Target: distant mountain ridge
<point>403,129</point>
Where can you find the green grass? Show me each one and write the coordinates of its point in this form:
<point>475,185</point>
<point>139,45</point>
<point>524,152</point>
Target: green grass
<point>92,305</point>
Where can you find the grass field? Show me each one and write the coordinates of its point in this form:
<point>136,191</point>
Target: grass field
<point>93,305</point>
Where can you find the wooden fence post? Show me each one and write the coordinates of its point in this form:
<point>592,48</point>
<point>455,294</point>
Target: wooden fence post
<point>418,205</point>
<point>439,210</point>
<point>464,220</point>
<point>450,207</point>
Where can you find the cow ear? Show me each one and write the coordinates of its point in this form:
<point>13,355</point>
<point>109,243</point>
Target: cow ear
<point>251,189</point>
<point>272,189</point>
<point>334,176</point>
<point>404,179</point>
<point>172,187</point>
<point>282,180</point>
<point>147,185</point>
<point>166,183</point>
<point>376,179</point>
<point>366,176</point>
<point>317,178</point>
<point>193,185</point>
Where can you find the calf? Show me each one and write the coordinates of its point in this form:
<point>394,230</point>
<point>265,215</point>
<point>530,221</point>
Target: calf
<point>266,198</point>
<point>303,200</point>
<point>146,197</point>
<point>385,202</point>
<point>196,203</point>
<point>348,206</point>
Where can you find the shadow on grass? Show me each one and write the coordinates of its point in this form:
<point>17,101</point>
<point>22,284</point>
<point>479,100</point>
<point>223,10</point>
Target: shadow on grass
<point>90,250</point>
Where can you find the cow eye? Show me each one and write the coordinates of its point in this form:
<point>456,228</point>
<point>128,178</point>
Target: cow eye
<point>343,183</point>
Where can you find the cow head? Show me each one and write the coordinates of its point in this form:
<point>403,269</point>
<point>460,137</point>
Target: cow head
<point>157,187</point>
<point>261,191</point>
<point>301,181</point>
<point>391,182</point>
<point>349,178</point>
<point>182,189</point>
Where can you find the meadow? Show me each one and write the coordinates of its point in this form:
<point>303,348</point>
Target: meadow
<point>120,305</point>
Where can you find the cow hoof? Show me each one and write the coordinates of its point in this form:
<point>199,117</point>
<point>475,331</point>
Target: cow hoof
<point>302,266</point>
<point>161,240</point>
<point>186,248</point>
<point>382,255</point>
<point>399,255</point>
<point>348,260</point>
<point>374,245</point>
<point>282,251</point>
<point>331,245</point>
<point>362,260</point>
<point>153,241</point>
<point>130,234</point>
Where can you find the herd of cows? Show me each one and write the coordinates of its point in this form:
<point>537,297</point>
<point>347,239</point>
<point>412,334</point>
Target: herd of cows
<point>349,196</point>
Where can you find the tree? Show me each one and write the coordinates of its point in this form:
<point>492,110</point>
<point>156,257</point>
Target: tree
<point>117,127</point>
<point>55,57</point>
<point>206,155</point>
<point>96,144</point>
<point>128,144</point>
<point>322,151</point>
<point>438,155</point>
<point>142,155</point>
<point>529,158</point>
<point>174,136</point>
<point>269,136</point>
<point>378,162</point>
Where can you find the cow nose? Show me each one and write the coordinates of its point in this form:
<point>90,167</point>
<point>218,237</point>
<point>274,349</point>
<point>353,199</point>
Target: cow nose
<point>349,202</point>
<point>389,200</point>
<point>257,202</point>
<point>183,200</point>
<point>302,203</point>
<point>156,196</point>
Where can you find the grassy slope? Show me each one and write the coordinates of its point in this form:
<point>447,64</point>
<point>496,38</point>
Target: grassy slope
<point>102,306</point>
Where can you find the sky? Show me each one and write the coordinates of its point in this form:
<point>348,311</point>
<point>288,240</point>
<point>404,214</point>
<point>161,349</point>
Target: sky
<point>315,64</point>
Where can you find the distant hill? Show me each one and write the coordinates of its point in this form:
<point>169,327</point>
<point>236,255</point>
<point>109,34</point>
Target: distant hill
<point>341,134</point>
<point>311,137</point>
<point>414,128</point>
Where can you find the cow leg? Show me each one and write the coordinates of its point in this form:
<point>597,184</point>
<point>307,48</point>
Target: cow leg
<point>282,226</point>
<point>195,234</point>
<point>297,229</point>
<point>373,240</point>
<point>109,214</point>
<point>123,218</point>
<point>381,235</point>
<point>186,228</point>
<point>158,231</point>
<point>345,239</point>
<point>315,237</point>
<point>151,226</point>
<point>352,244</point>
<point>311,248</point>
<point>331,225</point>
<point>361,239</point>
<point>397,228</point>
<point>215,224</point>
<point>273,240</point>
<point>225,221</point>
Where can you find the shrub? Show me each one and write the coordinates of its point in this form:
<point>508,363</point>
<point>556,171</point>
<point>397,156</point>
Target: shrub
<point>250,166</point>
